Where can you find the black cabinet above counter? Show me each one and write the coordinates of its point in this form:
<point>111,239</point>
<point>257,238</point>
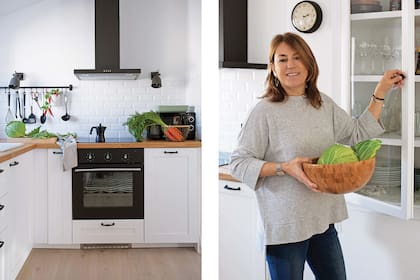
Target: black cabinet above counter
<point>233,35</point>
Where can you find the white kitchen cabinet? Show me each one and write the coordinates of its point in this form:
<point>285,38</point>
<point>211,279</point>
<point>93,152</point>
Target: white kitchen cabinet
<point>172,195</point>
<point>3,252</point>
<point>59,200</point>
<point>379,41</point>
<point>108,231</point>
<point>17,232</point>
<point>241,250</point>
<point>40,197</point>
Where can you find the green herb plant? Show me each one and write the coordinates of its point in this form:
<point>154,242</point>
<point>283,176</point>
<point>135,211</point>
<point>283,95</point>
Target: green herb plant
<point>137,123</point>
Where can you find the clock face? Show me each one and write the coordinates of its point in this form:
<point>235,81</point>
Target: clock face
<point>306,16</point>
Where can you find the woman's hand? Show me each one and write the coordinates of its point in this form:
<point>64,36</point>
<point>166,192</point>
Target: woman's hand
<point>294,168</point>
<point>390,79</point>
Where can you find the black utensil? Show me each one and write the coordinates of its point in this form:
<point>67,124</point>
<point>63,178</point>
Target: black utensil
<point>9,115</point>
<point>43,117</point>
<point>32,117</point>
<point>25,120</point>
<point>65,117</point>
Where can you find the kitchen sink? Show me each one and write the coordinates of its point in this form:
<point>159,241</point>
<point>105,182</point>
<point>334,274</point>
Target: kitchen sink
<point>8,146</point>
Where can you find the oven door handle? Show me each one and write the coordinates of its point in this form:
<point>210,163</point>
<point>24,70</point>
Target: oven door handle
<point>106,169</point>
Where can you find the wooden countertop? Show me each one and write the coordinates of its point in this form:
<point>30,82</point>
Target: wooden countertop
<point>50,143</point>
<point>224,174</point>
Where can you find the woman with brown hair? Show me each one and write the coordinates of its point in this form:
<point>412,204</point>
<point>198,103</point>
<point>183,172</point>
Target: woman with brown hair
<point>293,123</point>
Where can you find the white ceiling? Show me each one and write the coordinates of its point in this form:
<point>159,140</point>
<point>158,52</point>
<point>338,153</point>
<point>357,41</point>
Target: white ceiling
<point>10,6</point>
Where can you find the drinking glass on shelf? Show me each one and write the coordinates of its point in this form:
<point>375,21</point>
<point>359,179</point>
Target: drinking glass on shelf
<point>374,55</point>
<point>386,51</point>
<point>362,57</point>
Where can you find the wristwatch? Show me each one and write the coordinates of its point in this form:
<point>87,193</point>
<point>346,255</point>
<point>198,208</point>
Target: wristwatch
<point>279,172</point>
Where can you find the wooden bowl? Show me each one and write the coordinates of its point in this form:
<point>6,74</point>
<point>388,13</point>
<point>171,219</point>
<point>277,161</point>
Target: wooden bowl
<point>342,177</point>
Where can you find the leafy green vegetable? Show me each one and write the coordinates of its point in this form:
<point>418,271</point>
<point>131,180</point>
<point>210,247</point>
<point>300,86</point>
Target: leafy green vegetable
<point>338,153</point>
<point>15,129</point>
<point>138,122</point>
<point>367,149</point>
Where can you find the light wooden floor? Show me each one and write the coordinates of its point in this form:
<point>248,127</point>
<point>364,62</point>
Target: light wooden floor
<point>115,264</point>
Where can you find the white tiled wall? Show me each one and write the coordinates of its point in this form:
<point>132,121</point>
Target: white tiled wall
<point>239,90</point>
<point>107,102</point>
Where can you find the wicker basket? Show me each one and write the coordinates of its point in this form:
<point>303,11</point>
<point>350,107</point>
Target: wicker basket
<point>340,178</point>
<point>182,135</point>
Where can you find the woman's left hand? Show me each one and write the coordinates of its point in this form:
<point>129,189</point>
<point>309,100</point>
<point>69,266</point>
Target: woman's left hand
<point>390,79</point>
<point>294,168</point>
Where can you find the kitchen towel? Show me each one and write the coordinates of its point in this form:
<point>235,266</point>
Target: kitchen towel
<point>68,146</point>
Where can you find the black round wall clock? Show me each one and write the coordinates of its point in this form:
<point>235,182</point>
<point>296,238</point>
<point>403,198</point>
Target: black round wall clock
<point>306,16</point>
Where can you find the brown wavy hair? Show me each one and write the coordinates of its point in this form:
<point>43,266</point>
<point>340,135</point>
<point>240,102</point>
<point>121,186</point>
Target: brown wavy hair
<point>277,93</point>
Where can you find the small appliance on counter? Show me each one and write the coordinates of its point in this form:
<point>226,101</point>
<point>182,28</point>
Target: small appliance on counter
<point>173,118</point>
<point>100,132</point>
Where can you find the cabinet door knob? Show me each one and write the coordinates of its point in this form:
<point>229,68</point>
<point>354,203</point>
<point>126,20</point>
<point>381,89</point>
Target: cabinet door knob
<point>170,152</point>
<point>1,207</point>
<point>13,163</point>
<point>108,225</point>
<point>57,153</point>
<point>231,188</point>
<point>1,243</point>
<point>1,170</point>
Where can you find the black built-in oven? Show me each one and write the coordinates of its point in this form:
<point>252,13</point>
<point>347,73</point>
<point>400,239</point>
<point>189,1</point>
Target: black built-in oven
<point>108,184</point>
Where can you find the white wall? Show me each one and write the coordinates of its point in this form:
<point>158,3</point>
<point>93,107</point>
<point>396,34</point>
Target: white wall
<point>375,246</point>
<point>51,38</point>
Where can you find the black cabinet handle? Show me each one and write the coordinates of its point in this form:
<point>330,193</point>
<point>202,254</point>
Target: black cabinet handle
<point>1,170</point>
<point>1,243</point>
<point>169,152</point>
<point>14,163</point>
<point>232,189</point>
<point>57,153</point>
<point>107,225</point>
<point>1,207</point>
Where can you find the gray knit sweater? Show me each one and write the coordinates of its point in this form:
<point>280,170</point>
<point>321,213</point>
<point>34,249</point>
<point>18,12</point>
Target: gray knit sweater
<point>281,131</point>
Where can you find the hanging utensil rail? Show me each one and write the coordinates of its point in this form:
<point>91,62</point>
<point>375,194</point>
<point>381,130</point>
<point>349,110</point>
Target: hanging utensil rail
<point>70,87</point>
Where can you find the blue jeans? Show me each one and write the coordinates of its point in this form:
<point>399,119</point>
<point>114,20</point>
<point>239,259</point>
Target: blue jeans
<point>321,251</point>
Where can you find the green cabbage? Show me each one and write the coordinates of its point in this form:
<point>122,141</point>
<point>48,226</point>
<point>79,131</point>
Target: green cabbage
<point>367,149</point>
<point>15,129</point>
<point>338,153</point>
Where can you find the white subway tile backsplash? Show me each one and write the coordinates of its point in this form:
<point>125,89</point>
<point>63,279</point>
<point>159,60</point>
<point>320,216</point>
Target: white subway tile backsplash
<point>239,90</point>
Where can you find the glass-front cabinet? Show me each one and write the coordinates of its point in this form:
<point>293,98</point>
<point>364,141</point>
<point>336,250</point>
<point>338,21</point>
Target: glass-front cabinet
<point>385,35</point>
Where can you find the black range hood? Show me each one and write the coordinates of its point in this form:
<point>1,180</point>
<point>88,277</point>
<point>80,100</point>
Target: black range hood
<point>107,46</point>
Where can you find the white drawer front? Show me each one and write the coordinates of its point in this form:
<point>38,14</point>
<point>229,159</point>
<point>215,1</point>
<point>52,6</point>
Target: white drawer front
<point>108,231</point>
<point>4,208</point>
<point>3,179</point>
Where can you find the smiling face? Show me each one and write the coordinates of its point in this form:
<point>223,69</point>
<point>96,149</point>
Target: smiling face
<point>290,70</point>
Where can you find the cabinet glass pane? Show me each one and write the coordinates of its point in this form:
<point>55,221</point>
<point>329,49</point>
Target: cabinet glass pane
<point>385,184</point>
<point>391,112</point>
<point>375,52</point>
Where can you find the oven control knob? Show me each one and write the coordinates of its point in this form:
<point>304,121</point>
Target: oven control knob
<point>90,156</point>
<point>125,156</point>
<point>108,156</point>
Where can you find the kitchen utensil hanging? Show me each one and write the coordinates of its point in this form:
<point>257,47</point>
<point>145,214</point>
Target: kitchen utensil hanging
<point>18,113</point>
<point>9,114</point>
<point>24,119</point>
<point>65,117</point>
<point>32,117</point>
